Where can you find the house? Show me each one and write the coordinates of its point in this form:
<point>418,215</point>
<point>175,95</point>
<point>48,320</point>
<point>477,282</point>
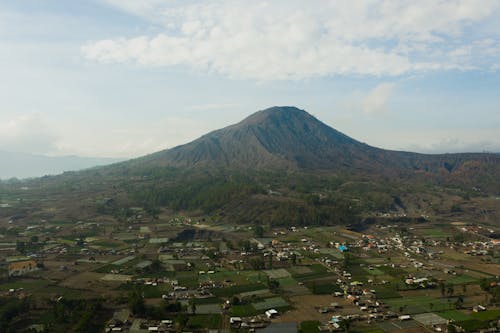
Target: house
<point>18,268</point>
<point>343,248</point>
<point>271,313</point>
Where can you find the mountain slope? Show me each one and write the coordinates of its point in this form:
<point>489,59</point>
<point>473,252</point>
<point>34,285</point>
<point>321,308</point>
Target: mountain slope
<point>287,137</point>
<point>276,137</point>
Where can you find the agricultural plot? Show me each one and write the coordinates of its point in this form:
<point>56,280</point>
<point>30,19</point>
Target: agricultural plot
<point>417,304</point>
<point>486,315</point>
<point>158,240</point>
<point>373,271</point>
<point>299,270</point>
<point>254,293</point>
<point>123,260</point>
<point>462,279</point>
<point>429,319</point>
<point>390,326</point>
<point>270,303</point>
<point>117,277</point>
<point>317,272</point>
<point>277,273</point>
<point>244,310</point>
<point>211,321</point>
<point>454,315</point>
<point>238,289</point>
<point>288,281</point>
<point>208,308</point>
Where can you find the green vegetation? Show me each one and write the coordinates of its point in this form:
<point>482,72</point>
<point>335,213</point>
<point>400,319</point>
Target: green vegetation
<point>310,326</point>
<point>234,290</point>
<point>204,321</point>
<point>418,304</point>
<point>462,279</point>
<point>486,315</point>
<point>454,315</point>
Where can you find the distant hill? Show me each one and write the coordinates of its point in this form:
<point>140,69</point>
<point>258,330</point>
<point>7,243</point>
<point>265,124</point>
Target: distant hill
<point>21,165</point>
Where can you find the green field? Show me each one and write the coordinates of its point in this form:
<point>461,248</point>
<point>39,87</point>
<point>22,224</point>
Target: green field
<point>244,310</point>
<point>373,271</point>
<point>211,321</point>
<point>310,326</point>
<point>418,304</point>
<point>270,303</point>
<point>462,279</point>
<point>486,315</point>
<point>233,290</point>
<point>454,315</point>
<point>317,271</point>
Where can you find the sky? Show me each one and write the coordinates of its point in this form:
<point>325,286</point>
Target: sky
<point>124,78</point>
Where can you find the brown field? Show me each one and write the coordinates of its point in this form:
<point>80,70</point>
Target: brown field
<point>306,308</point>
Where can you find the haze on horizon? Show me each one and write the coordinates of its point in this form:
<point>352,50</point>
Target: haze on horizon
<point>124,78</point>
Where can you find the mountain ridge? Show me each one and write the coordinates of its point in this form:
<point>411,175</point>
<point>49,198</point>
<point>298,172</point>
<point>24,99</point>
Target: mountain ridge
<point>24,165</point>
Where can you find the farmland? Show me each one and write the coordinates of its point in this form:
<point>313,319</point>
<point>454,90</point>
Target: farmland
<point>197,275</point>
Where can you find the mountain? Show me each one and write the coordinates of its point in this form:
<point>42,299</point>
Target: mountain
<point>290,138</point>
<point>279,166</point>
<point>22,165</point>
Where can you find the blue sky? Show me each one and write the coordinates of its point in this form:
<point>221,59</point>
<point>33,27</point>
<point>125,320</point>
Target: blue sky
<point>123,78</point>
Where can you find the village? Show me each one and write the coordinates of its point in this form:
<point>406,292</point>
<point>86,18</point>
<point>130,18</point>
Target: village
<point>185,275</point>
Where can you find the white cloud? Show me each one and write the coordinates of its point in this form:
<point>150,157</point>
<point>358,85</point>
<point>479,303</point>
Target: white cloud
<point>296,39</point>
<point>28,133</point>
<point>376,102</point>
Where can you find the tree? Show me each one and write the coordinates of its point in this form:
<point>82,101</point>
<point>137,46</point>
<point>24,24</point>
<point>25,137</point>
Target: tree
<point>443,289</point>
<point>345,324</point>
<point>192,304</point>
<point>450,290</point>
<point>258,231</point>
<point>21,247</point>
<point>273,284</point>
<point>136,303</point>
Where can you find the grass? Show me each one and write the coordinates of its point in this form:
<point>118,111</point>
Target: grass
<point>418,304</point>
<point>209,300</point>
<point>486,315</point>
<point>27,285</point>
<point>107,244</point>
<point>438,233</point>
<point>322,288</point>
<point>386,292</point>
<point>230,291</point>
<point>454,315</point>
<point>462,279</point>
<point>317,271</point>
<point>244,310</point>
<point>285,282</point>
<point>392,271</point>
<point>211,321</point>
<point>269,303</point>
<point>190,281</point>
<point>473,325</point>
<point>310,326</point>
<point>373,271</point>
